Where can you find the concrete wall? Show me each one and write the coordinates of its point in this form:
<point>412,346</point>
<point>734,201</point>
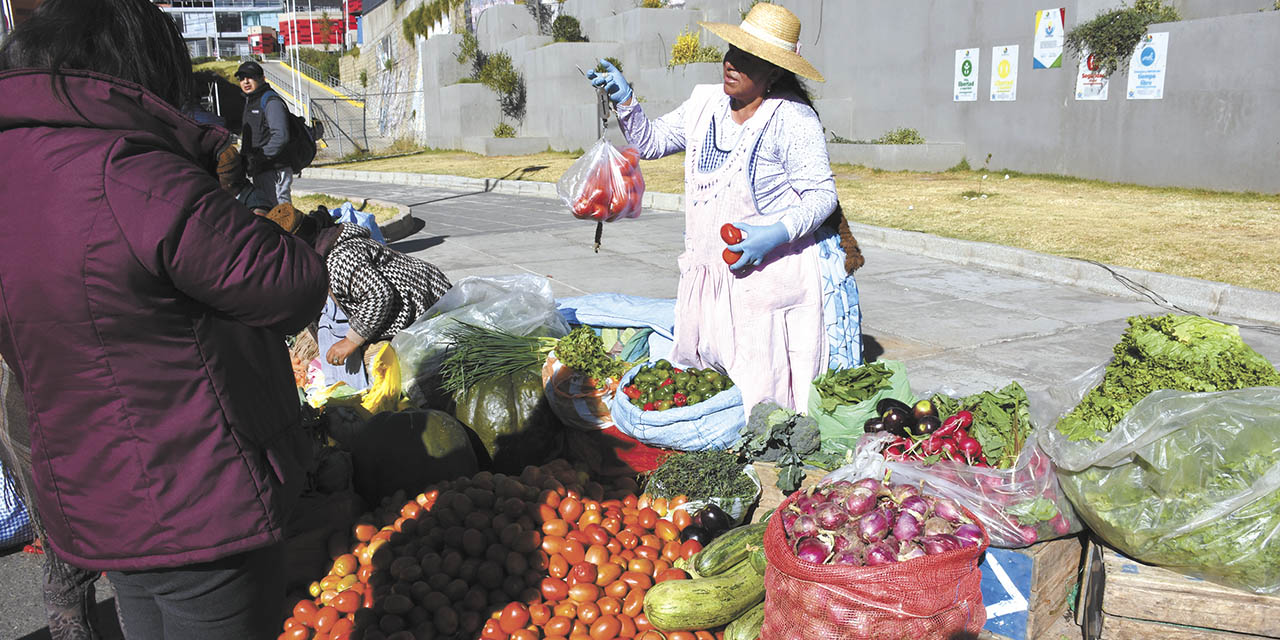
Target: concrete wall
<point>889,64</point>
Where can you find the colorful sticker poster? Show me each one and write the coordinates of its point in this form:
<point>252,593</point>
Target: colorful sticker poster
<point>1004,73</point>
<point>1146,69</point>
<point>966,83</point>
<point>1047,52</point>
<point>1091,83</point>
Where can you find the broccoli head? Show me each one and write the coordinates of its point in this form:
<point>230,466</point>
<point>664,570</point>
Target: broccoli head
<point>805,436</point>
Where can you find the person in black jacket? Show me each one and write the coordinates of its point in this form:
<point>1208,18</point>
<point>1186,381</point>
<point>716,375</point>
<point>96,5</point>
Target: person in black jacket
<point>265,134</point>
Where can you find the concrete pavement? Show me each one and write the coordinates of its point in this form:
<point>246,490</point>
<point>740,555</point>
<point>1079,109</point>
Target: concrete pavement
<point>959,327</point>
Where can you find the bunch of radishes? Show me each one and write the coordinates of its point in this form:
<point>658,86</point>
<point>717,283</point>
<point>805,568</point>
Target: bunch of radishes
<point>870,523</point>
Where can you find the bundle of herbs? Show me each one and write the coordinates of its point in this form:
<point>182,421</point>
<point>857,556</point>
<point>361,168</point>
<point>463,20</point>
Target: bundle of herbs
<point>702,475</point>
<point>1182,353</point>
<point>583,351</point>
<point>476,354</point>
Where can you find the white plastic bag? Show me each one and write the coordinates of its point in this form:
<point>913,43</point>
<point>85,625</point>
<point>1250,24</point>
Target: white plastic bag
<point>522,305</point>
<point>604,184</point>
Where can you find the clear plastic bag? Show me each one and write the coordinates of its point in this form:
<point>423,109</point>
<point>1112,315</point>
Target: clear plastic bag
<point>1019,506</point>
<point>522,304</point>
<point>604,184</point>
<point>1188,481</point>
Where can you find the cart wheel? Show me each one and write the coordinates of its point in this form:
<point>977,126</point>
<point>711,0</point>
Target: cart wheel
<point>1091,600</point>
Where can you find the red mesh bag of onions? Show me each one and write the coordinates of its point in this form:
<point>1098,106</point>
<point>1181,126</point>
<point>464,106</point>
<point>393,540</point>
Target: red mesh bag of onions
<point>870,560</point>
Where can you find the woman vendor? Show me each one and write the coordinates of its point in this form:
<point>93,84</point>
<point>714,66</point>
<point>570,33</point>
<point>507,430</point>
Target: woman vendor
<point>756,158</point>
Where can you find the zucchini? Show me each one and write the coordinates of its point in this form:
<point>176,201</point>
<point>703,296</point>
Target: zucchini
<point>758,561</point>
<point>729,549</point>
<point>747,626</point>
<point>681,605</point>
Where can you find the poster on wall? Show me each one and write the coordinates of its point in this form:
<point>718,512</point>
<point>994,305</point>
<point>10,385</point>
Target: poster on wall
<point>966,82</point>
<point>1004,73</point>
<point>1146,69</point>
<point>1047,52</point>
<point>1091,83</point>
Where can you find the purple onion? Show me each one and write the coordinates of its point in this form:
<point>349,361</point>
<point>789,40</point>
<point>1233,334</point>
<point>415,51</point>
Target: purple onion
<point>873,526</point>
<point>839,488</point>
<point>881,553</point>
<point>804,504</point>
<point>970,535</point>
<point>789,520</point>
<point>870,484</point>
<point>812,550</point>
<point>917,504</point>
<point>859,501</point>
<point>907,526</point>
<point>941,543</point>
<point>804,526</point>
<point>935,525</point>
<point>908,550</point>
<point>831,515</point>
<point>900,492</point>
<point>852,557</point>
<point>948,510</point>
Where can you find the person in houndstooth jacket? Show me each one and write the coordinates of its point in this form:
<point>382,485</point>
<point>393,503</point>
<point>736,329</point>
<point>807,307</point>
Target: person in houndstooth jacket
<point>381,290</point>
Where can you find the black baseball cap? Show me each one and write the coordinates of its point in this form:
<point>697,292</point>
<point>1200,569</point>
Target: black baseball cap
<point>249,69</point>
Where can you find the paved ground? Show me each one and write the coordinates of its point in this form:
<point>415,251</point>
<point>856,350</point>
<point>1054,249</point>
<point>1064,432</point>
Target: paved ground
<point>958,328</point>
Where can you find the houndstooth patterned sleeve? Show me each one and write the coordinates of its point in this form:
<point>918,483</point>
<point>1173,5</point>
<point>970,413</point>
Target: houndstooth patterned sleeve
<point>376,303</point>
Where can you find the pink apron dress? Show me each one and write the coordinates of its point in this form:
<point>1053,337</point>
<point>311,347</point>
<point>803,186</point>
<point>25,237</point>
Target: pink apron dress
<point>762,326</point>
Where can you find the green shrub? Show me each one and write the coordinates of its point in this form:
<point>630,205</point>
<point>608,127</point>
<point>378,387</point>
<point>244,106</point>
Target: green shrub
<point>364,78</point>
<point>900,136</point>
<point>498,73</point>
<point>688,49</point>
<point>1111,36</point>
<point>566,28</point>
<point>504,130</point>
<point>611,60</point>
<point>324,61</point>
<point>201,60</point>
<point>653,4</point>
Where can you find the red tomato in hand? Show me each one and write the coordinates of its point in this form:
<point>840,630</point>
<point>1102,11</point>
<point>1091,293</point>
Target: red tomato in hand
<point>731,257</point>
<point>730,234</point>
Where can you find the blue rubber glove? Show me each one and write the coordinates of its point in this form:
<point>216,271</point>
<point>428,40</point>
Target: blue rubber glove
<point>757,242</point>
<point>612,81</point>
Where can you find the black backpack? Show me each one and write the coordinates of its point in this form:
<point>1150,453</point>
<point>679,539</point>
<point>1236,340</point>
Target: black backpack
<point>300,151</point>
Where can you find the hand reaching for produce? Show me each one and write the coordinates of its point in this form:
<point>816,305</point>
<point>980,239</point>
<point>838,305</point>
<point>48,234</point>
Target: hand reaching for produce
<point>757,242</point>
<point>611,81</point>
<point>340,351</point>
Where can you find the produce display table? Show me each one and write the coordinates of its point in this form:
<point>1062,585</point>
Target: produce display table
<point>1121,598</point>
<point>1026,590</point>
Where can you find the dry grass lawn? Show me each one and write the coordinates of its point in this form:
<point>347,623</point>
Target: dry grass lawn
<point>1225,237</point>
<point>307,203</point>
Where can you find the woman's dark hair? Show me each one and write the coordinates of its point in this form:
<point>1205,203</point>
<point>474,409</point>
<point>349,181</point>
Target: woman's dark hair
<point>128,39</point>
<point>789,82</point>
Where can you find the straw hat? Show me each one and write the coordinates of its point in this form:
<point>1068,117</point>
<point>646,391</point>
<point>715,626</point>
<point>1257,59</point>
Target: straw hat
<point>771,33</point>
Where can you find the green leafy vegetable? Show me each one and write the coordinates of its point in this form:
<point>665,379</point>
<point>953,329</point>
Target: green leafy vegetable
<point>1201,499</point>
<point>775,434</point>
<point>1182,353</point>
<point>1001,421</point>
<point>1033,511</point>
<point>583,351</point>
<point>850,386</point>
<point>701,475</point>
<point>478,354</point>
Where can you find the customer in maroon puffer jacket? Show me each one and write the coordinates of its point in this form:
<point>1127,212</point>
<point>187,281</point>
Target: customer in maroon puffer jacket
<point>143,311</point>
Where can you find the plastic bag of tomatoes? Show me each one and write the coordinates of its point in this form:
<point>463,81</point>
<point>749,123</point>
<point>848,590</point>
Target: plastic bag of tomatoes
<point>604,184</point>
